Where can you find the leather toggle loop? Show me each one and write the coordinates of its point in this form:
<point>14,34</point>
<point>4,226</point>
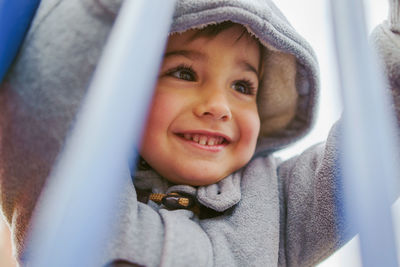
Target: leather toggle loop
<point>177,201</point>
<point>171,201</point>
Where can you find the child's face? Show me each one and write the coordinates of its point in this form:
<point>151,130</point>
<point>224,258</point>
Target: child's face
<point>204,124</point>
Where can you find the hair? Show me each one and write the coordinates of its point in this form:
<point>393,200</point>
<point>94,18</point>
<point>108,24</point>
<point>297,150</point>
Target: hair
<point>210,31</point>
<point>213,30</point>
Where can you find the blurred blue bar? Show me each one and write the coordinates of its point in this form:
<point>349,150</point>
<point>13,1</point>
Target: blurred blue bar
<point>15,19</point>
<point>370,158</point>
<point>76,209</point>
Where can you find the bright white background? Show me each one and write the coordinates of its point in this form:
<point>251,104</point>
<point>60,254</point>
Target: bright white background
<point>313,20</point>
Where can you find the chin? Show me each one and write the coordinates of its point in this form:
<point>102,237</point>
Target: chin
<point>199,175</point>
<point>196,180</point>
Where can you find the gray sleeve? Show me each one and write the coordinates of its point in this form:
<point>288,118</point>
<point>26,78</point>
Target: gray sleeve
<point>311,224</point>
<point>39,98</point>
<point>150,237</point>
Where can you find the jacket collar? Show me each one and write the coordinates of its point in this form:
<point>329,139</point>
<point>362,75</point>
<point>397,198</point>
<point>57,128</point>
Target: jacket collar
<point>219,196</point>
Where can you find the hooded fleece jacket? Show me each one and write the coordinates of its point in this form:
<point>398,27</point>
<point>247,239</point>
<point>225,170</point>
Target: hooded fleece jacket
<point>271,213</point>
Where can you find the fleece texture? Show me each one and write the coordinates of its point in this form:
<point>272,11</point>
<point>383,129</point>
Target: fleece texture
<point>272,213</point>
<point>386,40</point>
<point>39,99</point>
<point>43,90</point>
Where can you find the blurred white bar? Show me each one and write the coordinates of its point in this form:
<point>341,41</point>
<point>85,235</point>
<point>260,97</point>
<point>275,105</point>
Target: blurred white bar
<point>369,143</point>
<point>74,216</point>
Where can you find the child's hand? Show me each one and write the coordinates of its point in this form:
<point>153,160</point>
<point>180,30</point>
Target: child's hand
<point>5,246</point>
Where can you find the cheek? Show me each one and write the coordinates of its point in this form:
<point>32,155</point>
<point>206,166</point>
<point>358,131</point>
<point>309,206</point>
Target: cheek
<point>162,111</point>
<point>249,127</point>
<point>158,119</point>
<point>166,107</point>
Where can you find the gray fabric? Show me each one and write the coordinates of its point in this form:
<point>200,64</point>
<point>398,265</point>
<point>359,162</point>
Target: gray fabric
<point>286,216</point>
<point>387,44</point>
<point>274,214</point>
<point>39,100</point>
<point>42,93</point>
<point>44,88</point>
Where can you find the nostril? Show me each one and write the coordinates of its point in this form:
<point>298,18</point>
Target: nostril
<point>218,115</point>
<point>226,116</point>
<point>214,110</point>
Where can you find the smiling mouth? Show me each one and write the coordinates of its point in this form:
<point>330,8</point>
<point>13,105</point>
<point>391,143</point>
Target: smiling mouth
<point>204,139</point>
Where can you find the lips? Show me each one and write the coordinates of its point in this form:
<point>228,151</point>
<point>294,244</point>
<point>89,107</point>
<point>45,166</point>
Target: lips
<point>205,139</point>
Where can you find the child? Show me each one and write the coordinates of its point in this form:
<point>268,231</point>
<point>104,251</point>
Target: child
<point>236,84</point>
<point>215,85</point>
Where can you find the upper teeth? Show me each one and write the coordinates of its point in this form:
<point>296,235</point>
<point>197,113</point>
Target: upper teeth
<point>204,139</point>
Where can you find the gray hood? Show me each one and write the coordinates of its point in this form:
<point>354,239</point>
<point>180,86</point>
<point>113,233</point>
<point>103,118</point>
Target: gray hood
<point>289,89</point>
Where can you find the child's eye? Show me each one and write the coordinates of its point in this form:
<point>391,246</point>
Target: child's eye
<point>244,87</point>
<point>183,72</point>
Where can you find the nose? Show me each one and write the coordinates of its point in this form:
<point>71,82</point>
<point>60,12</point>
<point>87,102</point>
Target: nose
<point>213,104</point>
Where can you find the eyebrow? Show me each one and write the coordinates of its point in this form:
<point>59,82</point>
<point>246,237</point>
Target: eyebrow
<point>248,67</point>
<point>193,55</point>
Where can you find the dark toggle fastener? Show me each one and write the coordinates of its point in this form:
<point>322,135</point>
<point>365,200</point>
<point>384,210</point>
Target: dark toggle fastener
<point>177,201</point>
